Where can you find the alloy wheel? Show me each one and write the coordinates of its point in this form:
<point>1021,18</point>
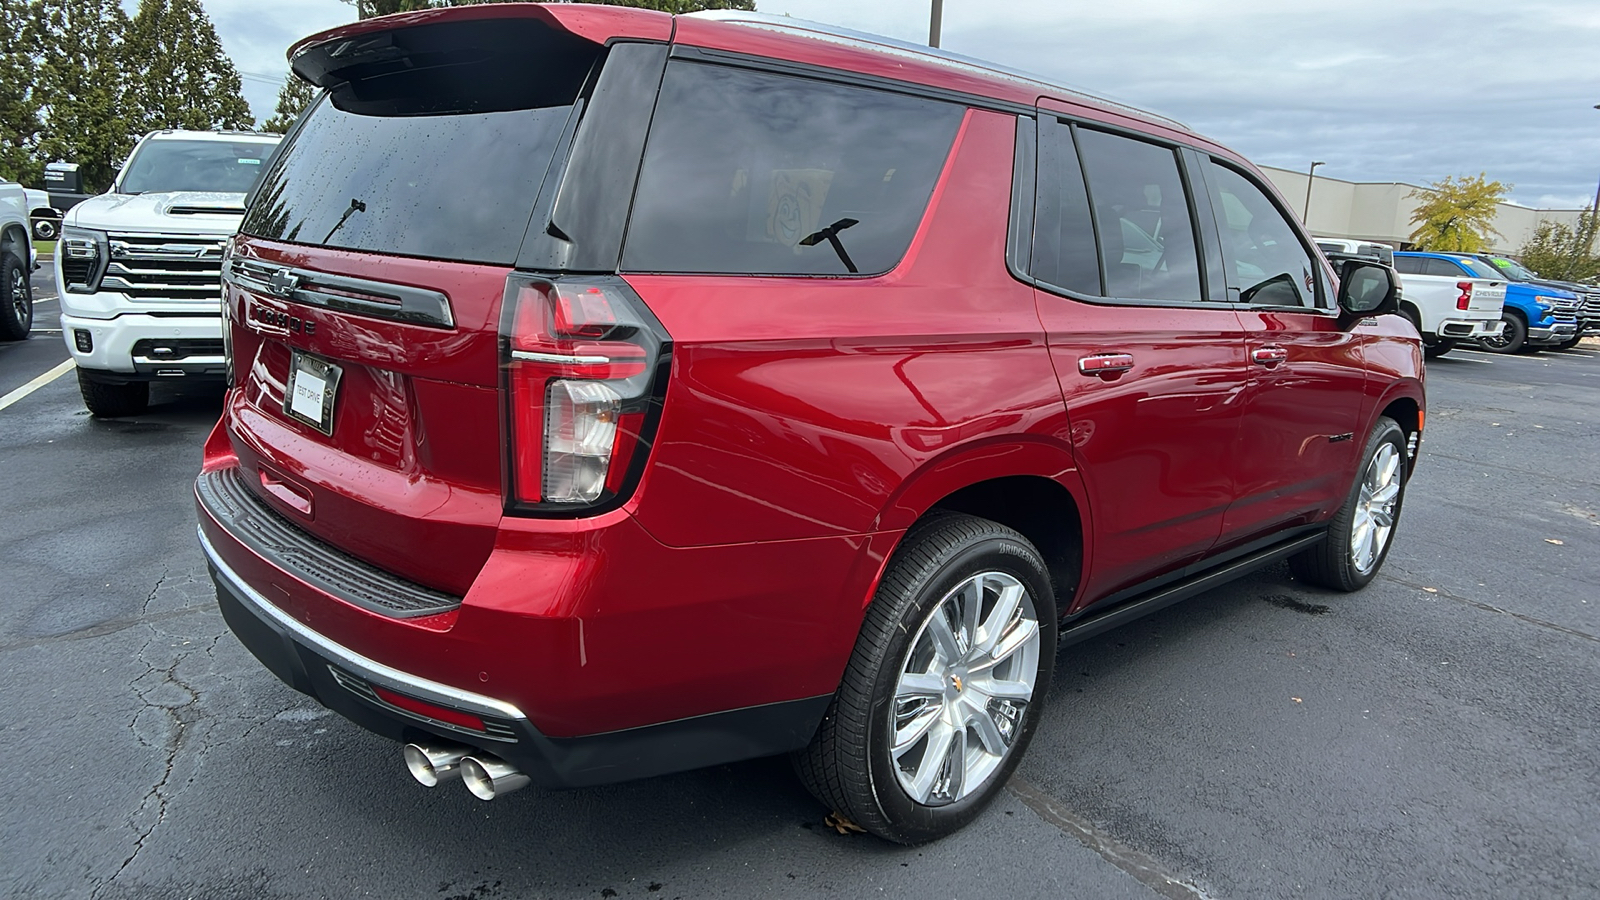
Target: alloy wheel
<point>21,306</point>
<point>1373,521</point>
<point>963,689</point>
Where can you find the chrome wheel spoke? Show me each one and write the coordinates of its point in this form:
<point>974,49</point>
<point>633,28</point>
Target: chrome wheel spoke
<point>1020,636</point>
<point>1003,690</point>
<point>1387,494</point>
<point>919,684</point>
<point>954,767</point>
<point>906,737</point>
<point>1005,609</point>
<point>934,757</point>
<point>944,639</point>
<point>989,733</point>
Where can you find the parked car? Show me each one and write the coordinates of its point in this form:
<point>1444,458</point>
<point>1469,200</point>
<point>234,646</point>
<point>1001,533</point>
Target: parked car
<point>1382,252</point>
<point>1534,316</point>
<point>44,219</point>
<point>16,264</point>
<point>615,394</point>
<point>1448,305</point>
<point>140,267</point>
<point>1588,313</point>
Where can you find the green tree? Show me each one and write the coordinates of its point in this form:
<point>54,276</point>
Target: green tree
<point>367,9</point>
<point>1457,214</point>
<point>179,77</point>
<point>293,98</point>
<point>20,123</point>
<point>79,80</point>
<point>1564,252</point>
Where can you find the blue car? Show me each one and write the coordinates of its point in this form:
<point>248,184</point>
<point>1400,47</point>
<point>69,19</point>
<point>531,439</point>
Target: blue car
<point>1536,316</point>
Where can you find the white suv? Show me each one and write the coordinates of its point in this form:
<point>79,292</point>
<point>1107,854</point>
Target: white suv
<point>140,267</point>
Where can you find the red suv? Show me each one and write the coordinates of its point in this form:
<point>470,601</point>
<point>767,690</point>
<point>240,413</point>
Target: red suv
<point>614,394</point>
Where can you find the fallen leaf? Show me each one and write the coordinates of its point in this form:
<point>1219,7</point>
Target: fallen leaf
<point>840,823</point>
<point>1431,590</point>
<point>1554,541</point>
<point>1297,699</point>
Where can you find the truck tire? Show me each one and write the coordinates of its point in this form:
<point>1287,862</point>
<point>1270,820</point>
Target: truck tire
<point>1363,529</point>
<point>16,299</point>
<point>927,724</point>
<point>113,401</point>
<point>1439,348</point>
<point>1512,338</point>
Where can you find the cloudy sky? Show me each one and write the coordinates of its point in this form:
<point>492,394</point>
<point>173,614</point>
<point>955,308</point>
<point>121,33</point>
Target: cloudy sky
<point>1381,90</point>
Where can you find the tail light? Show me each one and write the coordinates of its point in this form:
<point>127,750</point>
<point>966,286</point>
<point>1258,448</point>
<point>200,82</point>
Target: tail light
<point>585,369</point>
<point>1465,300</point>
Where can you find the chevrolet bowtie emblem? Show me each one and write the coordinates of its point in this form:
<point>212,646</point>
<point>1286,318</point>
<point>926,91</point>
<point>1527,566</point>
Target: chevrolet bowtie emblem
<point>956,680</point>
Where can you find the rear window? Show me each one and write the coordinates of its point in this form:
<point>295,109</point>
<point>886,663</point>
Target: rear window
<point>436,148</point>
<point>754,173</point>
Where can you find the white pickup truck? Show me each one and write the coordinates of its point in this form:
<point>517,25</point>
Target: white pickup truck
<point>16,262</point>
<point>1447,307</point>
<point>140,267</point>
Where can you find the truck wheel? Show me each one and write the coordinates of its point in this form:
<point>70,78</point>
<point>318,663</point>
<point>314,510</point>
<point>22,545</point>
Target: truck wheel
<point>16,299</point>
<point>113,401</point>
<point>1361,531</point>
<point>1438,349</point>
<point>45,228</point>
<point>945,686</point>
<point>1511,338</point>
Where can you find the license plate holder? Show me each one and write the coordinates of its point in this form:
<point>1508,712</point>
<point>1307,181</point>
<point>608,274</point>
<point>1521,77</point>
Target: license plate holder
<point>312,387</point>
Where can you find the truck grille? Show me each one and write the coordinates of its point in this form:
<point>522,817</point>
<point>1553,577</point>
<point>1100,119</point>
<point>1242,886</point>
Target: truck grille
<point>1591,305</point>
<point>1563,305</point>
<point>165,266</point>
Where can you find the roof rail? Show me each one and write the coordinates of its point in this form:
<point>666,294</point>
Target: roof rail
<point>863,40</point>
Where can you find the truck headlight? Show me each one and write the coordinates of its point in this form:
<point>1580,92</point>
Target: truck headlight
<point>84,254</point>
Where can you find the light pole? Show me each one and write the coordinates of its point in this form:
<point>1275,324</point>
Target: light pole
<point>934,22</point>
<point>1311,176</point>
<point>1597,186</point>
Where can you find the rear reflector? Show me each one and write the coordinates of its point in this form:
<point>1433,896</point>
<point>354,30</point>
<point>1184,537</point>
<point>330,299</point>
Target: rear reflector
<point>423,708</point>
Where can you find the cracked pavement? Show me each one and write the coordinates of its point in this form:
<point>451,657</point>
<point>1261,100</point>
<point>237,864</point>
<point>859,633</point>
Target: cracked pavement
<point>1432,736</point>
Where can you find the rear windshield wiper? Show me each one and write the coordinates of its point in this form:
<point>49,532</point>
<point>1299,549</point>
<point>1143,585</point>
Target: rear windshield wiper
<point>831,235</point>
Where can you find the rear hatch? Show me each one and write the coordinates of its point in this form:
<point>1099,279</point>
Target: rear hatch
<point>1488,297</point>
<point>364,289</point>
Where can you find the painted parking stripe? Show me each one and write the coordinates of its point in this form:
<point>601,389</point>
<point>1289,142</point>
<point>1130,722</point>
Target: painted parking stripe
<point>34,385</point>
<point>1483,362</point>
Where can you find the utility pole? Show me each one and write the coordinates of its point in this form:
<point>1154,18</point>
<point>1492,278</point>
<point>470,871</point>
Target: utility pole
<point>1311,176</point>
<point>1596,187</point>
<point>936,20</point>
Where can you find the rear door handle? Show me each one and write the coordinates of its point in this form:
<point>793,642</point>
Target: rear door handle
<point>1268,356</point>
<point>1104,364</point>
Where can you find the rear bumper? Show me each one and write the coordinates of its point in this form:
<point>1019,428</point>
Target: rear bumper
<point>1470,329</point>
<point>344,680</point>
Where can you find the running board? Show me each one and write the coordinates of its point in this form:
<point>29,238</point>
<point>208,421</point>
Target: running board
<point>1123,613</point>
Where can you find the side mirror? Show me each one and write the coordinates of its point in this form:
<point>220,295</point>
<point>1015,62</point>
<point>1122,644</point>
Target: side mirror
<point>1366,289</point>
<point>63,178</point>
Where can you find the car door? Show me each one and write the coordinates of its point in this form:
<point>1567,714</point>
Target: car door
<point>1298,439</point>
<point>1152,369</point>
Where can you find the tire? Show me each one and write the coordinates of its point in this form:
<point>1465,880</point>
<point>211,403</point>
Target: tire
<point>898,678</point>
<point>1512,337</point>
<point>113,401</point>
<point>1344,561</point>
<point>1441,348</point>
<point>16,299</point>
<point>1415,318</point>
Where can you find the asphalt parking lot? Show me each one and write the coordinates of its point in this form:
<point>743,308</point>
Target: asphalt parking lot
<point>1432,736</point>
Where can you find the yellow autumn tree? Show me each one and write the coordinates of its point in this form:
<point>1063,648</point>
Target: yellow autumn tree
<point>1457,213</point>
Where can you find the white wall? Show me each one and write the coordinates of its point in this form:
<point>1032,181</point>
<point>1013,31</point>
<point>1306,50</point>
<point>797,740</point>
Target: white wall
<point>1381,211</point>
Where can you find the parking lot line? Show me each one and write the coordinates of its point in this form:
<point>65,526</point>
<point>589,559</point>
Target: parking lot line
<point>1486,362</point>
<point>34,385</point>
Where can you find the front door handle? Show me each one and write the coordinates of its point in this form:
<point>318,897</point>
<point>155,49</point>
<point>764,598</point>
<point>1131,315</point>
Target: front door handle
<point>1268,356</point>
<point>1103,365</point>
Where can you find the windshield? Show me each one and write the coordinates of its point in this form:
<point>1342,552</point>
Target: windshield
<point>1481,269</point>
<point>1514,269</point>
<point>231,167</point>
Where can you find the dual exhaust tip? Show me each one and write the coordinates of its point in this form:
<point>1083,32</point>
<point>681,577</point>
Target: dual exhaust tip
<point>487,777</point>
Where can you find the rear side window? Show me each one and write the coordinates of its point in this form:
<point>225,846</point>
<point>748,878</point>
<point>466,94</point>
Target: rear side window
<point>1408,265</point>
<point>1141,213</point>
<point>1064,250</point>
<point>754,173</point>
<point>436,149</point>
<point>1443,268</point>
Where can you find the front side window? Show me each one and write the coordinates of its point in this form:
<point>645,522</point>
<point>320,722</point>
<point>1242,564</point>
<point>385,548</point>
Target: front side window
<point>1141,213</point>
<point>754,173</point>
<point>229,167</point>
<point>1266,262</point>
